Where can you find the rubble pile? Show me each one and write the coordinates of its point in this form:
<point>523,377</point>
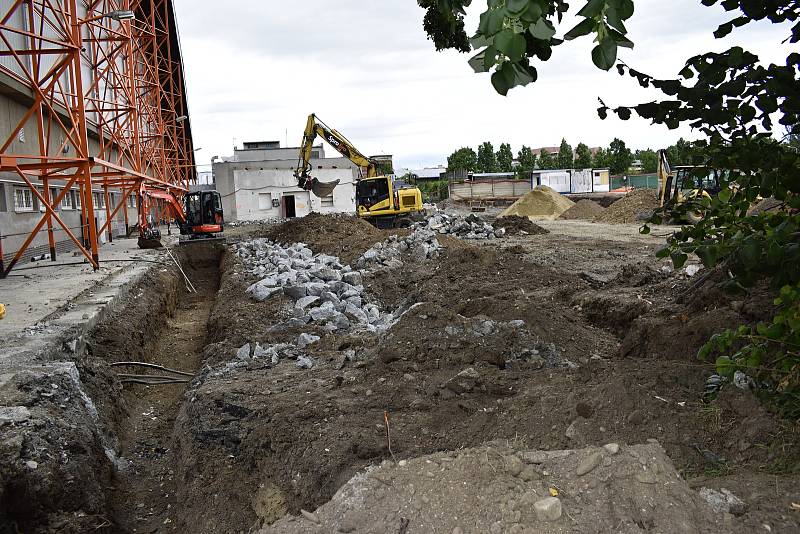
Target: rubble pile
<point>469,227</point>
<point>324,291</point>
<point>420,245</point>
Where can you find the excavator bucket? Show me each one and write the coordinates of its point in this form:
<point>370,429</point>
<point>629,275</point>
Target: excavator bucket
<point>150,243</point>
<point>322,189</point>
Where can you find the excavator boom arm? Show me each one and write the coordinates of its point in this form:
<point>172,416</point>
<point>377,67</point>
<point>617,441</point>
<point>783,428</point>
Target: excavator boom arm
<point>316,128</point>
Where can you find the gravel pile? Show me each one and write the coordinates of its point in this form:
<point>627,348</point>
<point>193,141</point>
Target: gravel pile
<point>420,245</point>
<point>324,291</point>
<point>637,205</point>
<point>469,227</point>
<point>583,209</point>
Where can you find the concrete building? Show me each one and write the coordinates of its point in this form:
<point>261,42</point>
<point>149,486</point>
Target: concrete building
<point>258,183</point>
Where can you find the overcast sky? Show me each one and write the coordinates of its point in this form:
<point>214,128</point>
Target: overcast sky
<point>255,69</point>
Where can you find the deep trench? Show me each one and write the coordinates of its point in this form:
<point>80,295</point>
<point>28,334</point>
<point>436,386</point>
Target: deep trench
<point>143,494</point>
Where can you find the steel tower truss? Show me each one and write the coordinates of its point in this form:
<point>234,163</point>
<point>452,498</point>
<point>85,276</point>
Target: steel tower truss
<point>108,101</point>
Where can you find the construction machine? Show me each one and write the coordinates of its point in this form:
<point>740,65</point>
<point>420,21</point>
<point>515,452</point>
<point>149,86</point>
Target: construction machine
<point>683,183</point>
<point>380,199</point>
<point>199,216</point>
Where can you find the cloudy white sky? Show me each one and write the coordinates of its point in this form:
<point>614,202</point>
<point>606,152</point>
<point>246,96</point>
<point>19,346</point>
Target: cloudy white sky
<point>255,69</point>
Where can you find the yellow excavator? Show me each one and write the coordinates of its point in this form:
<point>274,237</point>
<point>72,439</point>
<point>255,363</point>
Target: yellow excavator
<point>380,199</point>
<point>682,183</point>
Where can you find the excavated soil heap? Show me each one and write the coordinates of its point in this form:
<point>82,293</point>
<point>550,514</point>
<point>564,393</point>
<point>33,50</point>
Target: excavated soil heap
<point>630,208</point>
<point>767,205</point>
<point>514,224</point>
<point>338,234</point>
<point>541,203</point>
<point>583,209</point>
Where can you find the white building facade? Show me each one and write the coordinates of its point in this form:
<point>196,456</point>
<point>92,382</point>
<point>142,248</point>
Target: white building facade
<point>258,183</point>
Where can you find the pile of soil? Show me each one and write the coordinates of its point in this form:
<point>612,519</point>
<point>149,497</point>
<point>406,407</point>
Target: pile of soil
<point>541,203</point>
<point>346,236</point>
<point>514,224</point>
<point>583,209</point>
<point>635,206</point>
<point>767,205</point>
<point>498,488</point>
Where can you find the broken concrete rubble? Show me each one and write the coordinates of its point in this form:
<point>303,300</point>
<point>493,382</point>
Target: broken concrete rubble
<point>421,243</point>
<point>469,227</point>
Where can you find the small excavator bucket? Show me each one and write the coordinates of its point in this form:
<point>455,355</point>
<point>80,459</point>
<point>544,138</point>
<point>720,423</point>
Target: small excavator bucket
<point>150,243</point>
<point>323,189</point>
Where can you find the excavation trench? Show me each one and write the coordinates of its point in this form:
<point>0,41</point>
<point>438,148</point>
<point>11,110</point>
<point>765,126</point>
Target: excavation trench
<point>165,323</point>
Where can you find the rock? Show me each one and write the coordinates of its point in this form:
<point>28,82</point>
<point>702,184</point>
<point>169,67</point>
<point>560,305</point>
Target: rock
<point>315,288</point>
<point>260,353</point>
<point>304,340</point>
<point>244,352</point>
<point>500,232</point>
<point>327,274</point>
<point>723,501</point>
<point>356,313</point>
<point>611,448</point>
<point>14,414</point>
<point>353,278</point>
<point>324,313</point>
<point>529,473</point>
<point>464,381</point>
<point>310,516</point>
<point>517,323</point>
<point>295,292</point>
<point>548,509</point>
<point>328,296</point>
<point>514,465</point>
<point>304,362</point>
<point>262,293</point>
<point>584,410</point>
<point>340,321</point>
<point>30,464</point>
<point>589,463</point>
<point>305,302</point>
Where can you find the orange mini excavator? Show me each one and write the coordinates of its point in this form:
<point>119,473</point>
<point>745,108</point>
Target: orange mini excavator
<point>199,216</point>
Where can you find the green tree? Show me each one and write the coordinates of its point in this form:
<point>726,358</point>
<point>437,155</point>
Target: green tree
<point>583,156</point>
<point>526,158</point>
<point>564,159</point>
<point>546,160</point>
<point>505,158</point>
<point>487,161</point>
<point>463,159</point>
<point>619,157</point>
<point>600,159</point>
<point>649,159</point>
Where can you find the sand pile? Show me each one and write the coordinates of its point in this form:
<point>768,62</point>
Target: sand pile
<point>637,205</point>
<point>583,209</point>
<point>515,225</point>
<point>541,203</point>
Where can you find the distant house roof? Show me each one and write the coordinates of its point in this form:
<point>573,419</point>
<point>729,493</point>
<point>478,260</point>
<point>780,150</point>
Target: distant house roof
<point>429,172</point>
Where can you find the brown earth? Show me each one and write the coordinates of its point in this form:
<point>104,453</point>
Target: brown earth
<point>615,341</point>
<point>346,236</point>
<point>635,206</point>
<point>514,224</point>
<point>583,209</point>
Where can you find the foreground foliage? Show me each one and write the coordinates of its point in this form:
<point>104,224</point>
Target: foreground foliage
<point>737,102</point>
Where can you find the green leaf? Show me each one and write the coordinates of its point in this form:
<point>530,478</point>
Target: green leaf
<point>663,252</point>
<point>725,367</point>
<point>543,29</point>
<point>592,8</point>
<point>678,259</point>
<point>503,78</point>
<point>533,13</point>
<point>585,27</point>
<point>478,62</point>
<point>724,195</point>
<point>517,7</point>
<point>604,55</point>
<point>707,255</point>
<point>511,44</point>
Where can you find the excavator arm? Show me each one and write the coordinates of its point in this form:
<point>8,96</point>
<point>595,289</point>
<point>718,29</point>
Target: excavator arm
<point>316,128</point>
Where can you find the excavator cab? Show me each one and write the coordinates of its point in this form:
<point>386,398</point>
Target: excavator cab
<point>204,215</point>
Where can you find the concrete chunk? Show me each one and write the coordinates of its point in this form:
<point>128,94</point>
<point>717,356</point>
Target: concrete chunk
<point>548,509</point>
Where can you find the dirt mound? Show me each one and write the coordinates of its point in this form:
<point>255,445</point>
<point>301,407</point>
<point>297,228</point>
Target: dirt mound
<point>346,236</point>
<point>514,224</point>
<point>541,203</point>
<point>634,206</point>
<point>499,489</point>
<point>583,209</point>
<point>766,205</point>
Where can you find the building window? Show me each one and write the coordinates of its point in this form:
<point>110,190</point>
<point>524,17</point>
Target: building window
<point>326,202</point>
<point>76,199</point>
<point>68,202</point>
<point>23,200</point>
<point>3,198</point>
<point>131,201</point>
<point>99,200</point>
<point>39,202</point>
